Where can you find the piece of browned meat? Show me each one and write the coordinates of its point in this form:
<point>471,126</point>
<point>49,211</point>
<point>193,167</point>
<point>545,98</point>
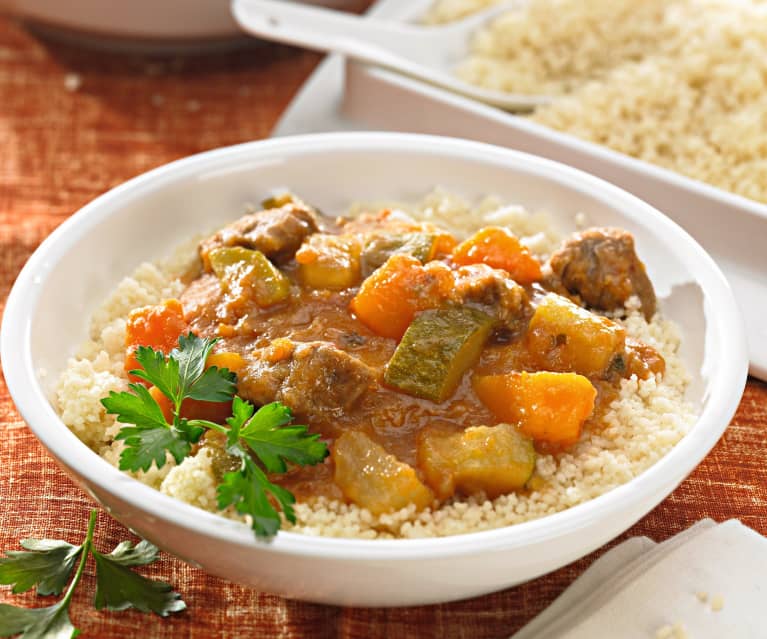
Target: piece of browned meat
<point>277,233</point>
<point>493,291</point>
<point>602,268</point>
<point>315,379</point>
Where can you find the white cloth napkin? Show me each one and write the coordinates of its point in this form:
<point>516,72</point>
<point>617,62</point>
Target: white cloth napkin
<point>709,582</point>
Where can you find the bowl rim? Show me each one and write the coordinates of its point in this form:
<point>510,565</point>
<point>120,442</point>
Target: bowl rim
<point>727,378</point>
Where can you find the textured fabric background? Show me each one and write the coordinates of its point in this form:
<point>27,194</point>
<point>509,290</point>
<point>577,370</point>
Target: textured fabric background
<point>59,148</point>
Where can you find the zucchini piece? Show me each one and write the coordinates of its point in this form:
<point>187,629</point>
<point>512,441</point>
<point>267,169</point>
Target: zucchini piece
<point>492,459</point>
<point>247,273</point>
<point>374,479</point>
<point>435,351</point>
<point>381,246</point>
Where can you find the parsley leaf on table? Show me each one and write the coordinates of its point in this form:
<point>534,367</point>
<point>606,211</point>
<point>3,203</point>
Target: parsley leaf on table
<point>47,565</point>
<point>51,622</point>
<point>263,440</point>
<point>117,587</point>
<point>126,554</point>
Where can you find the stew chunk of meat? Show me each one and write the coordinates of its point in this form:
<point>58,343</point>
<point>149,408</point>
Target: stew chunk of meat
<point>494,292</point>
<point>277,233</point>
<point>601,266</point>
<point>315,379</point>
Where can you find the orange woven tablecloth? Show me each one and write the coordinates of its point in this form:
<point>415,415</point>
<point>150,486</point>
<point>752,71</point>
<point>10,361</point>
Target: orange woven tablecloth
<point>73,124</point>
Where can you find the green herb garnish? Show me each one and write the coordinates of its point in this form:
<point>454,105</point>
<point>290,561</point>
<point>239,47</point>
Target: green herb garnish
<point>262,440</point>
<point>48,564</point>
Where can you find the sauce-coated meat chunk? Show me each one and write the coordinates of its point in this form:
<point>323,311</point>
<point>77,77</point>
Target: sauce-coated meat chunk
<point>601,266</point>
<point>277,233</point>
<point>496,293</point>
<point>315,379</point>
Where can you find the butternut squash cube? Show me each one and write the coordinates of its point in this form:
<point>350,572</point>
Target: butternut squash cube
<point>500,248</point>
<point>373,479</point>
<point>564,337</point>
<point>158,326</point>
<point>493,459</point>
<point>389,299</point>
<point>549,407</point>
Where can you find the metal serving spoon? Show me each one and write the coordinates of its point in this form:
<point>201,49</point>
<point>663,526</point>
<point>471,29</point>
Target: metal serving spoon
<point>426,53</point>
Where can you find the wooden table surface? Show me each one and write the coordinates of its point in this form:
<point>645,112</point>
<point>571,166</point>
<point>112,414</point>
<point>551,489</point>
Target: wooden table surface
<point>74,123</point>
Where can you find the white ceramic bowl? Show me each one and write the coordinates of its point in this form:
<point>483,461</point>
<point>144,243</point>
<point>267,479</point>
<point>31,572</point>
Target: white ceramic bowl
<point>144,20</point>
<point>83,260</point>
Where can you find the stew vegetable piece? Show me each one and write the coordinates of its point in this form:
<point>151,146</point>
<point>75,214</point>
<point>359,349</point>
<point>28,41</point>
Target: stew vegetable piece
<point>432,368</point>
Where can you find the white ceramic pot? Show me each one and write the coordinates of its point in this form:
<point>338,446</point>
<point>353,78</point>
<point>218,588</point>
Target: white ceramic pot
<point>83,260</point>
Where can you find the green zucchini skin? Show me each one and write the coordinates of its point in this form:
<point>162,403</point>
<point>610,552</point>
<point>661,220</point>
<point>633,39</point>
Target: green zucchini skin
<point>436,350</point>
<point>383,245</point>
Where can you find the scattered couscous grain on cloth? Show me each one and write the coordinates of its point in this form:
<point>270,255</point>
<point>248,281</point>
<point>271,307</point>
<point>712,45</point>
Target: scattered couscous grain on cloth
<point>646,420</point>
<point>679,83</point>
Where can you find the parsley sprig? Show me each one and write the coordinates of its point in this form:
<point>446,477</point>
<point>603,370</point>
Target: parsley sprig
<point>48,564</point>
<point>179,376</point>
<point>262,440</point>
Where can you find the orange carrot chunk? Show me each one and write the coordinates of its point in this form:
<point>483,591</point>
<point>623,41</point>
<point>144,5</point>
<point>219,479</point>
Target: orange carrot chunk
<point>549,407</point>
<point>389,299</point>
<point>163,402</point>
<point>216,412</point>
<point>160,326</point>
<point>157,326</point>
<point>499,248</point>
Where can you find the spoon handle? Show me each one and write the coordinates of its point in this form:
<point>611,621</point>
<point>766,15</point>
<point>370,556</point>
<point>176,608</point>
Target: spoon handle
<point>424,53</point>
<point>374,41</point>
